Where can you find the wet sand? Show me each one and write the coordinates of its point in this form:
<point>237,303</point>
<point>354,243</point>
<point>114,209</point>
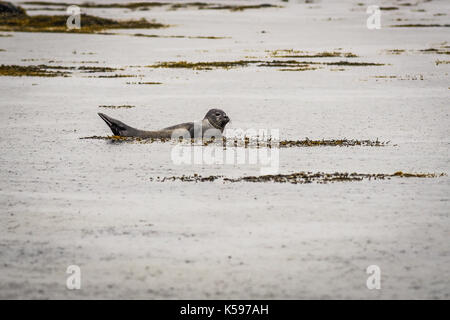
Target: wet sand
<point>98,204</point>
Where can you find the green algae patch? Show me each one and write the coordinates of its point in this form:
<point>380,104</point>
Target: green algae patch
<point>300,177</point>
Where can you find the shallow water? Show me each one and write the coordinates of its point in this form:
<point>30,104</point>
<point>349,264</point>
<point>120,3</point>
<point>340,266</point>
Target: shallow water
<point>92,203</point>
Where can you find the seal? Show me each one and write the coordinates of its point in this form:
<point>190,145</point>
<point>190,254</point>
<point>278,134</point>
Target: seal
<point>212,125</point>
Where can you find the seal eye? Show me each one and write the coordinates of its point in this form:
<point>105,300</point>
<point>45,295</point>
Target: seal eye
<point>217,114</point>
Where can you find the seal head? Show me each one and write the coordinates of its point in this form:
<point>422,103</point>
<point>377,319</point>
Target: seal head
<point>218,118</point>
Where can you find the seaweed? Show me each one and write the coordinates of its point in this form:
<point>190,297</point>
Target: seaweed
<point>395,51</point>
<point>286,65</point>
<point>435,50</point>
<point>385,77</point>
<point>177,37</point>
<point>354,64</point>
<point>298,69</point>
<point>43,70</point>
<point>255,143</point>
<point>418,25</point>
<point>114,76</point>
<point>117,107</point>
<point>290,53</point>
<point>145,82</point>
<point>152,4</point>
<point>300,177</point>
<point>57,23</point>
<point>203,65</point>
<point>332,142</point>
<point>239,7</point>
<point>29,71</point>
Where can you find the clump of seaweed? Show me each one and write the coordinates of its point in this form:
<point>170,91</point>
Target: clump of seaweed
<point>177,37</point>
<point>43,70</point>
<point>115,139</point>
<point>58,23</point>
<point>301,177</point>
<point>290,53</point>
<point>435,51</point>
<point>147,5</point>
<point>286,65</point>
<point>333,142</point>
<point>388,8</point>
<point>298,69</point>
<point>145,82</point>
<point>203,65</point>
<point>117,107</point>
<point>255,142</point>
<point>395,51</point>
<point>29,71</point>
<point>91,69</point>
<point>114,76</point>
<point>438,62</point>
<point>235,8</point>
<point>419,25</point>
<point>385,77</point>
<point>354,64</point>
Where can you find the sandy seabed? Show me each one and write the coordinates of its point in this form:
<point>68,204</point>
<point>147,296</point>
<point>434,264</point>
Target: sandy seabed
<point>96,204</point>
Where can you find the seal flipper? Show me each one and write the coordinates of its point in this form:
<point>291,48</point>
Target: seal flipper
<point>118,127</point>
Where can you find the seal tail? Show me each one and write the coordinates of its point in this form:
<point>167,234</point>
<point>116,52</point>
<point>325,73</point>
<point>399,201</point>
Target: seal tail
<point>118,127</point>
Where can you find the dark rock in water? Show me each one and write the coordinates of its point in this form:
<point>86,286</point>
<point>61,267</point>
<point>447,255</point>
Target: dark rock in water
<point>9,10</point>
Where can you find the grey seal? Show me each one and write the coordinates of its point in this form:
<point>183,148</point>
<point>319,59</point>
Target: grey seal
<point>212,124</point>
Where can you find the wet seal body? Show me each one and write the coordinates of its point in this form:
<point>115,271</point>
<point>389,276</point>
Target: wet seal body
<point>212,125</point>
